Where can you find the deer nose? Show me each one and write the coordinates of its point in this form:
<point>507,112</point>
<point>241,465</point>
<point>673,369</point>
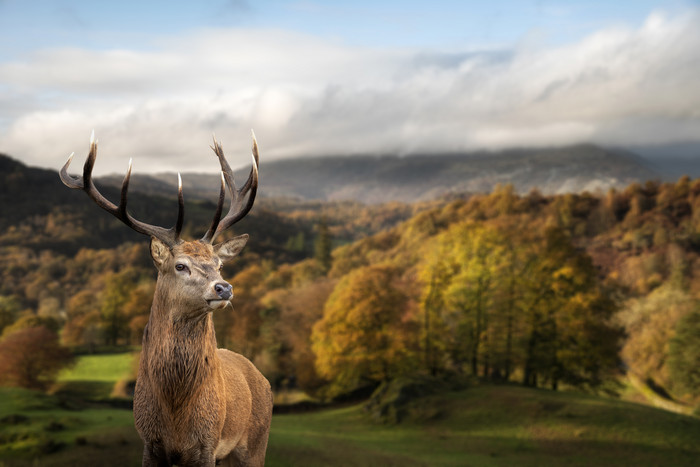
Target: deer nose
<point>223,290</point>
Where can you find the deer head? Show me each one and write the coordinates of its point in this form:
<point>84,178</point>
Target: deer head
<point>188,270</point>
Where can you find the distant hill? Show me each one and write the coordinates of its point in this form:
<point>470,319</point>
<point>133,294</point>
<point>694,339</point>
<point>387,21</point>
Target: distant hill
<point>39,212</point>
<point>376,179</point>
<point>673,160</point>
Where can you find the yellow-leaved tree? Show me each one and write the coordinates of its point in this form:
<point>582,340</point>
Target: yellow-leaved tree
<point>364,335</point>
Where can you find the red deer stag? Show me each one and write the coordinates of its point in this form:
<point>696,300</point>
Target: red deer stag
<point>194,404</point>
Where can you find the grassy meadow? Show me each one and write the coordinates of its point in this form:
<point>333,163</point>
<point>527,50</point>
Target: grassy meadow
<point>77,424</point>
<point>486,425</point>
<point>95,377</point>
<point>492,426</point>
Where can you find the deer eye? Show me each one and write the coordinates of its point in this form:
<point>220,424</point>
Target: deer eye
<point>181,267</point>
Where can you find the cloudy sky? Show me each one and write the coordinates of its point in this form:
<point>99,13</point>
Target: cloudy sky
<point>155,79</point>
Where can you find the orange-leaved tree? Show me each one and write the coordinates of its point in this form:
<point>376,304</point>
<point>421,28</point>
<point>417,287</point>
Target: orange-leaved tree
<point>364,334</point>
<point>31,358</point>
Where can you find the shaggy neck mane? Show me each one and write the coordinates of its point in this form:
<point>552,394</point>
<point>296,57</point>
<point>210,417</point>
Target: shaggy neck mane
<point>185,356</point>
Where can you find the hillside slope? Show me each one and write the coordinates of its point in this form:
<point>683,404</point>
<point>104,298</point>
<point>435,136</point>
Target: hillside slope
<point>494,426</point>
<point>39,212</point>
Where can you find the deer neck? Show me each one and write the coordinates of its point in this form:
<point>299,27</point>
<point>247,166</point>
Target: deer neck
<point>179,355</point>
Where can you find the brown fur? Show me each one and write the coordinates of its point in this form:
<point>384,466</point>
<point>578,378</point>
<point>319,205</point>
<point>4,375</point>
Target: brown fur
<point>197,250</point>
<point>195,404</point>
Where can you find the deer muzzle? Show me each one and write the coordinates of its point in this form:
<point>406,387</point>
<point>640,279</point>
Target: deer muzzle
<point>223,290</point>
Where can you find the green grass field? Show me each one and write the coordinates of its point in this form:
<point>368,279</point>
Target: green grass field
<point>36,429</point>
<point>492,426</point>
<point>93,376</point>
<point>105,368</point>
<point>481,426</point>
<point>71,426</point>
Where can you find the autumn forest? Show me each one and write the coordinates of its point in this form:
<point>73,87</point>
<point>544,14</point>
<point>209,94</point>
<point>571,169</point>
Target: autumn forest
<point>552,291</point>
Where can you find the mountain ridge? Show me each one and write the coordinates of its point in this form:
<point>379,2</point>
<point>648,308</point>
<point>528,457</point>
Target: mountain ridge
<point>376,179</point>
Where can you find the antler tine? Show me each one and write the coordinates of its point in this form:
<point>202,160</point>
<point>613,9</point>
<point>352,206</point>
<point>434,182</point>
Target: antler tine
<point>237,209</point>
<point>68,180</point>
<point>180,207</point>
<point>256,158</point>
<point>169,236</point>
<point>217,215</point>
<point>125,189</point>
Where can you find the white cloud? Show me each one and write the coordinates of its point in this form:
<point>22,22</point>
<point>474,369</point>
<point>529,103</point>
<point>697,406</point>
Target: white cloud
<point>307,96</point>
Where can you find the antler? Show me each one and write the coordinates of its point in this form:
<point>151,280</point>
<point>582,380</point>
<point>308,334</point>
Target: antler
<point>170,237</point>
<point>238,208</point>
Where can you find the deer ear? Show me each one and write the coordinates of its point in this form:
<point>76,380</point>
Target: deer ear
<point>159,251</point>
<point>229,249</point>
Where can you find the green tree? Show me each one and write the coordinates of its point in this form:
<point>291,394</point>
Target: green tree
<point>519,257</point>
<point>296,243</point>
<point>323,246</point>
<point>9,310</point>
<point>587,345</point>
<point>438,340</point>
<point>569,338</point>
<point>461,277</point>
<point>478,251</point>
<point>684,355</point>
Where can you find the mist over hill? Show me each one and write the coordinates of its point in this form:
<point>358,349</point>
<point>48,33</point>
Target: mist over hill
<point>383,178</point>
<point>376,179</point>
